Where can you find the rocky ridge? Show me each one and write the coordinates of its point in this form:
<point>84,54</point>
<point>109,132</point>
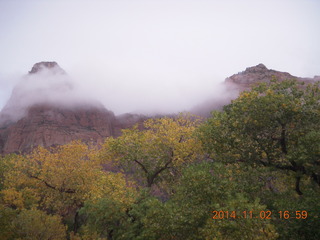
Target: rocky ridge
<point>261,73</point>
<point>51,114</point>
<point>242,81</point>
<point>28,121</point>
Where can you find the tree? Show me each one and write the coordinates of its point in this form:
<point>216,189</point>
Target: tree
<point>156,152</point>
<point>7,215</point>
<point>37,225</point>
<point>275,124</point>
<point>6,164</point>
<point>202,189</point>
<point>106,217</point>
<point>59,180</point>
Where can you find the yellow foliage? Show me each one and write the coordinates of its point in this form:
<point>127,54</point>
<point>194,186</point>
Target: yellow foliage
<point>13,198</point>
<point>165,142</point>
<point>37,225</point>
<point>61,179</point>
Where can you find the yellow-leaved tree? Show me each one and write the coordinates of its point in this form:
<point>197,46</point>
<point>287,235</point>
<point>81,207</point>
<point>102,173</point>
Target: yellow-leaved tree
<point>59,180</point>
<point>158,151</point>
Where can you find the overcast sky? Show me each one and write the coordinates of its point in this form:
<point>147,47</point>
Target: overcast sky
<point>136,55</point>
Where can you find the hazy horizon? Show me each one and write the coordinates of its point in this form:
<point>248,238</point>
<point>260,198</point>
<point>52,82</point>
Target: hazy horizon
<point>142,56</point>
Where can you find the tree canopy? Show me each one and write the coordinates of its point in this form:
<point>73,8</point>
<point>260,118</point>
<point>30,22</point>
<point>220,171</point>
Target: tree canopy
<point>157,151</point>
<point>275,124</point>
<point>250,171</point>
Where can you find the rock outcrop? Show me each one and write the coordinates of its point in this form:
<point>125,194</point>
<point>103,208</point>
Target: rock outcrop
<point>260,73</point>
<point>44,110</point>
<point>242,81</point>
<point>47,125</point>
<point>52,66</point>
<point>127,120</point>
<point>46,83</point>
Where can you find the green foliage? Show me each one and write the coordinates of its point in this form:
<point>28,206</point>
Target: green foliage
<point>274,132</point>
<point>37,225</point>
<point>293,228</point>
<point>275,124</point>
<point>210,187</point>
<point>260,154</point>
<point>105,217</point>
<point>7,215</point>
<point>188,214</point>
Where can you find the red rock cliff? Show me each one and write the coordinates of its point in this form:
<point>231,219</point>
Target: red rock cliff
<point>44,112</point>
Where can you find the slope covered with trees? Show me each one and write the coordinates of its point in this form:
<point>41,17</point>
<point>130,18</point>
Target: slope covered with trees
<point>251,171</point>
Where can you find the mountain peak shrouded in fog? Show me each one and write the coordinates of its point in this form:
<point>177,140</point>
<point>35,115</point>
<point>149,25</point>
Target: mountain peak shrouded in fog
<point>259,68</point>
<point>47,109</point>
<point>46,84</point>
<point>260,73</point>
<point>242,81</point>
<point>52,66</point>
<point>155,57</point>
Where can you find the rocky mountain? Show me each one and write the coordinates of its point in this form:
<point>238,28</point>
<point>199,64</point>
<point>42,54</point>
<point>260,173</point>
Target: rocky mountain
<point>260,73</point>
<point>242,81</point>
<point>47,125</point>
<point>44,109</point>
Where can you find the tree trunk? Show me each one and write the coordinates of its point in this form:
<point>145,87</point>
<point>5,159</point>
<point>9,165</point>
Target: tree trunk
<point>298,186</point>
<point>76,222</point>
<point>283,139</point>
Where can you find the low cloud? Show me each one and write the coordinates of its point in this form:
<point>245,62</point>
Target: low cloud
<point>149,91</point>
<point>47,86</point>
<point>127,92</point>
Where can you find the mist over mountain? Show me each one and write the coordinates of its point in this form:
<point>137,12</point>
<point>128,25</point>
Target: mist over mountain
<point>242,81</point>
<point>47,83</point>
<point>261,73</point>
<point>47,108</point>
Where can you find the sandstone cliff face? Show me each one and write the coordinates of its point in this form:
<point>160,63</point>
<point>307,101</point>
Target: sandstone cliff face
<point>44,109</point>
<point>242,81</point>
<point>47,125</point>
<point>46,112</point>
<point>127,120</point>
<point>47,84</point>
<point>260,73</point>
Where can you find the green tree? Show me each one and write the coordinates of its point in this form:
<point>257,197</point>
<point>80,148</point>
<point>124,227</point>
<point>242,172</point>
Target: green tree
<point>202,189</point>
<point>107,218</point>
<point>275,124</point>
<point>7,215</point>
<point>37,225</point>
<point>274,131</point>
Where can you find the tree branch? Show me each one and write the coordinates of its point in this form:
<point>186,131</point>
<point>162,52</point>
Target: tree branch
<point>141,165</point>
<point>283,139</point>
<point>157,172</point>
<point>52,187</point>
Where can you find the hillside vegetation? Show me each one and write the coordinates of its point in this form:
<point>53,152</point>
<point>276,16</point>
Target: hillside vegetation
<point>251,171</point>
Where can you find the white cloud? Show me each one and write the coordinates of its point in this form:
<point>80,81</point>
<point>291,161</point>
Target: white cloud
<point>151,55</point>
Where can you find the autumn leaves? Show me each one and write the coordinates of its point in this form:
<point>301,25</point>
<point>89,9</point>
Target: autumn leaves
<point>163,182</point>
